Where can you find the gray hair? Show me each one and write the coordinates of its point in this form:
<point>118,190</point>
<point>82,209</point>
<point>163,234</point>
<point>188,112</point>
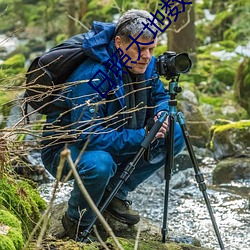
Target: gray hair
<point>130,23</point>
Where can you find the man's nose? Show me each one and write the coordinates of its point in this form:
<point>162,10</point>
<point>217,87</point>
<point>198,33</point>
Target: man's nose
<point>145,54</point>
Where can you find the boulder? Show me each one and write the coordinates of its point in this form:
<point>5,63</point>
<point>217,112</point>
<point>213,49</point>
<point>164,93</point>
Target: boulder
<point>231,169</point>
<point>232,139</point>
<point>197,125</point>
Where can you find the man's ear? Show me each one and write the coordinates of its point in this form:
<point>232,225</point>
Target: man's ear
<point>118,41</point>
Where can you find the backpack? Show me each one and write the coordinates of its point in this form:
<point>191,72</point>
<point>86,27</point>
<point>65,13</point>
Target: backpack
<point>48,73</point>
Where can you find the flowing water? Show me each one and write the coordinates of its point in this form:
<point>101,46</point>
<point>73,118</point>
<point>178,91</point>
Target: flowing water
<point>187,212</point>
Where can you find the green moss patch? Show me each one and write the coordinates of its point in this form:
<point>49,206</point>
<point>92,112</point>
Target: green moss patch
<point>128,244</point>
<point>235,125</point>
<point>230,138</point>
<point>10,231</point>
<point>22,200</point>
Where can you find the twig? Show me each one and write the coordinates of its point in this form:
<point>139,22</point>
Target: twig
<point>77,21</point>
<point>45,217</point>
<point>66,154</point>
<point>137,236</point>
<point>99,238</point>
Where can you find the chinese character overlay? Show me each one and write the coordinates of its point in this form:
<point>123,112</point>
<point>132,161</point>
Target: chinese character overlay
<point>134,40</point>
<point>106,78</point>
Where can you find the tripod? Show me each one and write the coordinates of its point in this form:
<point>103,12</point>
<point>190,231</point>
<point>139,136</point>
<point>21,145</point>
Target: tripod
<point>173,90</point>
<point>169,163</point>
<point>129,168</point>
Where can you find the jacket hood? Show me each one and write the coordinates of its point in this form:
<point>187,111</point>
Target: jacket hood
<point>98,42</point>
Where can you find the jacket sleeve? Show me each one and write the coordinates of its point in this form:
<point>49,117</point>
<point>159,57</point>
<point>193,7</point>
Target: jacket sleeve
<point>88,119</point>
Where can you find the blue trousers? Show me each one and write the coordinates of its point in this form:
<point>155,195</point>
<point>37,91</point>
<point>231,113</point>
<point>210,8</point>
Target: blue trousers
<point>100,170</point>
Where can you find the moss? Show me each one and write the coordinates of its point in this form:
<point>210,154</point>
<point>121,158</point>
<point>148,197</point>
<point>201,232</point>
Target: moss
<point>22,200</point>
<point>221,122</point>
<point>229,45</point>
<point>66,245</point>
<point>128,244</point>
<point>13,239</point>
<point>17,61</point>
<point>9,219</point>
<point>220,24</point>
<point>219,103</point>
<point>224,75</point>
<point>16,237</point>
<point>236,125</point>
<point>212,100</point>
<point>238,128</point>
<point>235,34</point>
<point>13,71</point>
<point>6,243</point>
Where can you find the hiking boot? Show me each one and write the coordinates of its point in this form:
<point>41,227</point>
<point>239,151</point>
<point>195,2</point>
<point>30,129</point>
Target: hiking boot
<point>75,231</point>
<point>121,211</point>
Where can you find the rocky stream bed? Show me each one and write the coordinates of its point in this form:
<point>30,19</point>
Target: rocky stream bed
<point>188,215</point>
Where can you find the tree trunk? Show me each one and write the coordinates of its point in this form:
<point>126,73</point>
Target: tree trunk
<point>83,7</point>
<point>72,14</point>
<point>181,34</point>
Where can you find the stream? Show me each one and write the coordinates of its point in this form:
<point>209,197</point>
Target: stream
<point>187,212</point>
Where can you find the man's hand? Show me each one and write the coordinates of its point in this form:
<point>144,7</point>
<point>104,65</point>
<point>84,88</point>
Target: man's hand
<point>164,128</point>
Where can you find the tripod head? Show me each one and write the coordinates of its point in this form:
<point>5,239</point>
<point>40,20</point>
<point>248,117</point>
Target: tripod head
<point>174,89</point>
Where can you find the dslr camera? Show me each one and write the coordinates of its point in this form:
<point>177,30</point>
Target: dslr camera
<point>171,65</point>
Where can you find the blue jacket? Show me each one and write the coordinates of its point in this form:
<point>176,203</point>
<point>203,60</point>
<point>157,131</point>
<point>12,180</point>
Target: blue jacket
<point>101,120</point>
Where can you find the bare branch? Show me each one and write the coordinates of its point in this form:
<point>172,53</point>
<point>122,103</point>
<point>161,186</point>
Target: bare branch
<point>66,154</point>
<point>79,22</point>
<point>185,24</point>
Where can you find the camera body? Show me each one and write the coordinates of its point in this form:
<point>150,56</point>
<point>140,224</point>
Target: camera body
<point>171,65</point>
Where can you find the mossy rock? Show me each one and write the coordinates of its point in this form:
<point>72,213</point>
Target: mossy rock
<point>219,107</point>
<point>22,200</point>
<point>150,235</point>
<point>128,244</point>
<point>10,231</point>
<point>232,139</point>
<point>231,169</point>
<point>217,74</point>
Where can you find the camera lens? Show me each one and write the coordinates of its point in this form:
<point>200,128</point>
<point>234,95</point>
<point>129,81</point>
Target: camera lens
<point>182,63</point>
<point>171,65</point>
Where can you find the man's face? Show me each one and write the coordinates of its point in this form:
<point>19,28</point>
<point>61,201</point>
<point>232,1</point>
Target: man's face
<point>146,53</point>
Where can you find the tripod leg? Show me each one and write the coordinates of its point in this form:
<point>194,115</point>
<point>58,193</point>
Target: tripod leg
<point>129,168</point>
<point>199,177</point>
<point>168,173</point>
